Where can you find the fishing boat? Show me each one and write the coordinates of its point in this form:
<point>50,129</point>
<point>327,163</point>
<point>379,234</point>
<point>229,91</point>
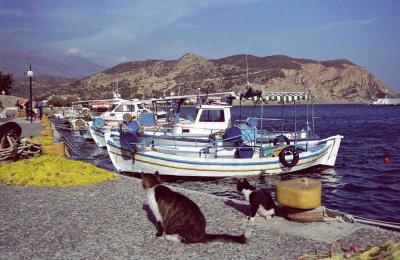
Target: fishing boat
<point>225,152</point>
<point>119,111</point>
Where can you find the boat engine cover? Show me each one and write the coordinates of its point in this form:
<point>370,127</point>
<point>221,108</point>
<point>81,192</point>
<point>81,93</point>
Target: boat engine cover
<point>233,134</point>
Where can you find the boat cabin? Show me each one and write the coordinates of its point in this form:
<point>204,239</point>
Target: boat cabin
<point>209,119</point>
<point>121,110</point>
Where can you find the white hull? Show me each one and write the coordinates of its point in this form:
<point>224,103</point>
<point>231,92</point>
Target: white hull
<point>149,161</point>
<point>98,135</point>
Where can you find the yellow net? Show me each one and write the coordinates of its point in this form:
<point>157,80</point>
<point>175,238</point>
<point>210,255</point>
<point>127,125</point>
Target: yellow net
<point>41,139</point>
<point>52,171</point>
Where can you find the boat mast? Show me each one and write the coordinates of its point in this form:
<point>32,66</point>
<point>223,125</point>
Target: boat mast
<point>261,123</point>
<point>247,70</point>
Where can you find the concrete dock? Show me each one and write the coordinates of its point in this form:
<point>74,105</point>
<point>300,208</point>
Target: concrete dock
<point>112,221</point>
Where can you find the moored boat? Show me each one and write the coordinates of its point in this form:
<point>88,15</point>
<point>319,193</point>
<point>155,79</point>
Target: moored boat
<point>230,151</point>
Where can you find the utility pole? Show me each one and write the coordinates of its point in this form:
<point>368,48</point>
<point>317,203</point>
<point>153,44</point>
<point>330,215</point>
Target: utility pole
<point>29,73</point>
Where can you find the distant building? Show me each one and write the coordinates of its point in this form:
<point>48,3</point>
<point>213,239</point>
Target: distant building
<point>387,101</point>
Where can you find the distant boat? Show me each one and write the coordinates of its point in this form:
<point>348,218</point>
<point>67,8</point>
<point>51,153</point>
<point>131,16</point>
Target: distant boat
<point>386,102</point>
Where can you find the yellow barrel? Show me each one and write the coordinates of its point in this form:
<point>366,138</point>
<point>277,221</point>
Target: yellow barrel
<point>46,132</point>
<point>302,193</point>
<point>57,148</point>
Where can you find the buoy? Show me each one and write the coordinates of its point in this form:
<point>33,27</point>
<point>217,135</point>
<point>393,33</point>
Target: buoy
<point>386,159</point>
<point>301,215</point>
<point>301,193</point>
<point>46,132</point>
<point>57,148</point>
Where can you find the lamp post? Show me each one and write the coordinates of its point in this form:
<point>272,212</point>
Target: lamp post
<point>29,73</point>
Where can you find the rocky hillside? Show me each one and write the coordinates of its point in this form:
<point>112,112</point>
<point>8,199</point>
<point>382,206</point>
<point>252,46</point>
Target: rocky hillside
<point>41,84</point>
<point>330,81</point>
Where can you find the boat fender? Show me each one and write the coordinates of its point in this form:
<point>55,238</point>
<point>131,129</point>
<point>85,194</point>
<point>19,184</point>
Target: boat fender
<point>281,139</point>
<point>289,150</point>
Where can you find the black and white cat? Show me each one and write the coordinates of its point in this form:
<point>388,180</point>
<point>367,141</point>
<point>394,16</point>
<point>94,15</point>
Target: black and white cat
<point>179,217</point>
<point>260,201</point>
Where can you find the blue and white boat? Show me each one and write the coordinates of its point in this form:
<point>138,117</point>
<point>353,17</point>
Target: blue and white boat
<point>119,111</point>
<point>221,152</point>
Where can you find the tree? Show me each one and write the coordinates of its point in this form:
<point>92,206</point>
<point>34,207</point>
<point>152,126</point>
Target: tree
<point>57,101</point>
<point>5,83</point>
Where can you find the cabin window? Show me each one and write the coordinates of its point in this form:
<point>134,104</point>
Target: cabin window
<point>111,108</point>
<point>131,108</point>
<point>120,109</point>
<point>212,116</point>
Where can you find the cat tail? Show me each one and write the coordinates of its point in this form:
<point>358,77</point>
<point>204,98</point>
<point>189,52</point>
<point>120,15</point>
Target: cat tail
<point>226,238</point>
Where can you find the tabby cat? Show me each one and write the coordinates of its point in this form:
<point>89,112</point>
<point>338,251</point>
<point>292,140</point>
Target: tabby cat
<point>179,217</point>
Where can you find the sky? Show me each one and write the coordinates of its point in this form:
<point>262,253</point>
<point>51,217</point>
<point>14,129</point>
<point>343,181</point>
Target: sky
<point>109,32</point>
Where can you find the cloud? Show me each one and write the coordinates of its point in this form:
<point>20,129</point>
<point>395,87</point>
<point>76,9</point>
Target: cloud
<point>114,28</point>
<point>80,53</point>
<point>349,23</point>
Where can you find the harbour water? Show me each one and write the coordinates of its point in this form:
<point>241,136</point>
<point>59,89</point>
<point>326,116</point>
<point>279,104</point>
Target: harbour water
<point>365,181</point>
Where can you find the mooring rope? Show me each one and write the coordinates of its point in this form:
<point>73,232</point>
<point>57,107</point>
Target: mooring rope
<point>341,216</point>
<point>79,156</point>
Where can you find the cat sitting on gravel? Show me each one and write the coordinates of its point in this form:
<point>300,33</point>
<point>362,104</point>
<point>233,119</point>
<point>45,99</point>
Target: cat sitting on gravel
<point>260,201</point>
<point>179,217</point>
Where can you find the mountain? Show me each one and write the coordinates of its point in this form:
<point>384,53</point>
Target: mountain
<point>41,84</point>
<point>332,81</point>
<point>65,66</point>
<point>49,72</point>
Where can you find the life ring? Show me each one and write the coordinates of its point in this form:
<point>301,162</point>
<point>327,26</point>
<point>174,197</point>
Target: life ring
<point>289,150</point>
<point>280,139</point>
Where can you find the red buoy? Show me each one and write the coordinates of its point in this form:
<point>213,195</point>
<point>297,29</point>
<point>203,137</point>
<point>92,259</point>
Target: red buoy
<point>386,159</point>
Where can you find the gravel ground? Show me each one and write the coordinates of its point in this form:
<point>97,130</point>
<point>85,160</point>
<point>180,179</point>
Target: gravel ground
<point>112,221</point>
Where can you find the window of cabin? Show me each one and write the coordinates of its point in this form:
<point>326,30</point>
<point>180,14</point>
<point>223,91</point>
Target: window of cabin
<point>131,108</point>
<point>120,108</point>
<point>212,116</point>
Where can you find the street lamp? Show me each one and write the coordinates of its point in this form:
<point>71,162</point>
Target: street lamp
<point>29,73</point>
